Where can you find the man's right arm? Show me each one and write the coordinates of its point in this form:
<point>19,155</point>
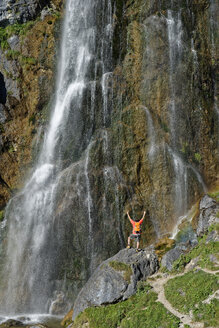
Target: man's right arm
<point>129,217</point>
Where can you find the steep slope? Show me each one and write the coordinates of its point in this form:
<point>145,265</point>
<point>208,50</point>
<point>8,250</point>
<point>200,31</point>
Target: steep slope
<point>186,296</point>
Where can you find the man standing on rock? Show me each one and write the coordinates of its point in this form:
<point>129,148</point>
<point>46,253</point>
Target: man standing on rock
<point>136,232</point>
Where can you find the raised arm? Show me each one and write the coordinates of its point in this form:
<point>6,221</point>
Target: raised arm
<point>143,215</point>
<point>129,217</point>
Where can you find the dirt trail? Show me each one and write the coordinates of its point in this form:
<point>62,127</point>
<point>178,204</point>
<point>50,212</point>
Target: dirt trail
<point>158,286</point>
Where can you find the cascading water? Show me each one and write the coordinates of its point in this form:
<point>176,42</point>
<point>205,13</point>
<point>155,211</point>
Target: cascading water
<point>176,53</point>
<point>175,31</point>
<point>33,240</point>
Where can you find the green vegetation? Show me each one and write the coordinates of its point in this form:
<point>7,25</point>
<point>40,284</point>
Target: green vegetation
<point>12,54</point>
<point>185,148</point>
<point>141,310</point>
<point>214,195</point>
<point>27,60</point>
<point>164,126</point>
<point>32,119</point>
<point>208,313</point>
<point>18,29</point>
<point>186,292</point>
<point>202,251</point>
<point>119,266</point>
<point>198,157</point>
<point>2,214</point>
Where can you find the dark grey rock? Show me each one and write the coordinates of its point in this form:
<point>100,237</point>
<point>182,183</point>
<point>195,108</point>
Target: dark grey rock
<point>206,202</point>
<point>11,323</point>
<point>14,43</point>
<point>171,256</point>
<point>20,11</point>
<point>192,264</point>
<point>108,285</point>
<point>11,73</point>
<point>2,114</point>
<point>212,236</point>
<point>208,214</point>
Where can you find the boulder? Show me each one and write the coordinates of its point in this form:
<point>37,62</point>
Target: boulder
<point>12,323</point>
<point>208,214</point>
<point>170,257</point>
<point>116,278</point>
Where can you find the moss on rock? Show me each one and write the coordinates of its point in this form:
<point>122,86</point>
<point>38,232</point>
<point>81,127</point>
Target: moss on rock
<point>119,266</point>
<point>141,310</point>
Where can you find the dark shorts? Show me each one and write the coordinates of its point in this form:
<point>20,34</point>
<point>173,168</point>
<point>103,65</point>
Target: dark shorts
<point>138,236</point>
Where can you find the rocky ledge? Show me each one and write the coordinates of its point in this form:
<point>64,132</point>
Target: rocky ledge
<point>116,278</point>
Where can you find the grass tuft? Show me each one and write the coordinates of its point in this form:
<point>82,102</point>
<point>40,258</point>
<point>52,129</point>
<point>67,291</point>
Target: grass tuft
<point>119,266</point>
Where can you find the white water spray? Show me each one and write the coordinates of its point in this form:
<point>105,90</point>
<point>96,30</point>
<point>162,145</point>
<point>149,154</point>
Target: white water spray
<point>33,243</point>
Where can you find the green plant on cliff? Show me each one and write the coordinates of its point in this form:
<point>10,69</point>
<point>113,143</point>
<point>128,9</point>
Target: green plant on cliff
<point>8,31</point>
<point>27,60</point>
<point>140,310</point>
<point>198,157</point>
<point>202,252</point>
<point>214,195</point>
<point>119,266</point>
<point>12,54</point>
<point>2,215</point>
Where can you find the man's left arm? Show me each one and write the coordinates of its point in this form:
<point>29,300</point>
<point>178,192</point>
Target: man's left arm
<point>142,217</point>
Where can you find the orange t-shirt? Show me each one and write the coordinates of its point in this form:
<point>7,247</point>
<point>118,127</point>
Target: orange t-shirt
<point>133,225</point>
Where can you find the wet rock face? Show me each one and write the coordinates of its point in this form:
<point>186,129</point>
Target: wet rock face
<point>209,210</point>
<point>12,323</point>
<point>28,54</point>
<point>116,278</point>
<point>13,11</point>
<point>59,304</point>
<point>166,87</point>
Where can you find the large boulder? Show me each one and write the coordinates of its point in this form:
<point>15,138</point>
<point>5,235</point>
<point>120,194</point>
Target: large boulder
<point>116,278</point>
<point>209,209</point>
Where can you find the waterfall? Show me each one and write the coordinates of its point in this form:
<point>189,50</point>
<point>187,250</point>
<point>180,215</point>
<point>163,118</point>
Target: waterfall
<point>175,31</point>
<point>181,169</point>
<point>33,240</point>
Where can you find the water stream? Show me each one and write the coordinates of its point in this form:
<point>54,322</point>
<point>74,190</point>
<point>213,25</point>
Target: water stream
<point>32,251</point>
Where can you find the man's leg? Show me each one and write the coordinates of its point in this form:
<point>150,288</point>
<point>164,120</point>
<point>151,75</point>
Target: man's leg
<point>129,240</point>
<point>138,242</point>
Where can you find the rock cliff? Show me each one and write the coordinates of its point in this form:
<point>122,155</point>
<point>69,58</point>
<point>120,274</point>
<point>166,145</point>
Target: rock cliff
<point>143,134</point>
<point>28,55</point>
<point>181,290</point>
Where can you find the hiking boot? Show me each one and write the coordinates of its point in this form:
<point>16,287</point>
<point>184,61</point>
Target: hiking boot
<point>138,250</point>
<point>128,246</point>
